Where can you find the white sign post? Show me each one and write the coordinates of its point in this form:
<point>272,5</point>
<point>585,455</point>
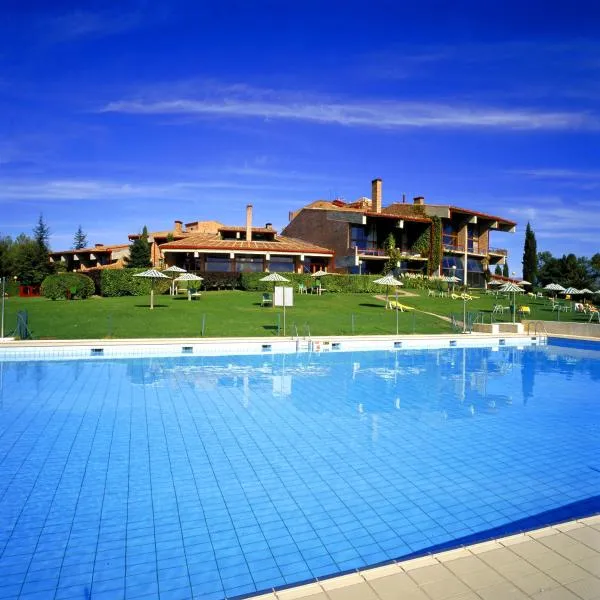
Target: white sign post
<point>284,296</point>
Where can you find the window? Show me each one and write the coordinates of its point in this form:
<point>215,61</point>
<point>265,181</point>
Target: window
<point>449,237</point>
<point>450,261</point>
<point>219,262</point>
<point>249,264</point>
<point>282,264</point>
<point>361,238</point>
<point>473,237</point>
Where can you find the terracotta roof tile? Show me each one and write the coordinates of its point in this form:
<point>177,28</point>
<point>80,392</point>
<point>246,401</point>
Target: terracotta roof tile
<point>206,241</point>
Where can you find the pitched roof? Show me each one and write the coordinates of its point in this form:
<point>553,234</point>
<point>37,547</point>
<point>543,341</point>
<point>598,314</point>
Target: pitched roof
<point>476,213</point>
<point>93,249</point>
<point>207,241</point>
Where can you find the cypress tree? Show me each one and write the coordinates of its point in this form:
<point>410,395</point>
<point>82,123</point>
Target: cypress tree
<point>505,270</point>
<point>530,263</point>
<point>498,270</point>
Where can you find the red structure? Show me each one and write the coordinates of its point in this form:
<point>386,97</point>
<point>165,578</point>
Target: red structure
<point>29,291</point>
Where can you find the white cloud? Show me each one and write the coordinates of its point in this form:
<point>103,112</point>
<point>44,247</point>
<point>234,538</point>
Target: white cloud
<point>376,114</point>
<point>75,189</point>
<point>560,174</point>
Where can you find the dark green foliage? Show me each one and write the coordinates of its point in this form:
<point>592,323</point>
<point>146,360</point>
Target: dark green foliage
<point>394,254</point>
<point>6,256</point>
<point>41,234</point>
<point>567,271</point>
<point>221,280</point>
<point>96,276</point>
<point>498,270</point>
<point>121,282</point>
<point>436,245</point>
<point>352,284</point>
<point>80,239</point>
<point>30,263</point>
<point>67,286</point>
<point>422,244</point>
<point>505,270</point>
<point>139,252</point>
<point>530,262</point>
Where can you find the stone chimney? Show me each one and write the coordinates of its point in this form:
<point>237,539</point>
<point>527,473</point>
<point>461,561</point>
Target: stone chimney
<point>249,222</point>
<point>178,227</point>
<point>419,200</point>
<point>376,195</point>
<point>98,245</point>
<point>269,226</point>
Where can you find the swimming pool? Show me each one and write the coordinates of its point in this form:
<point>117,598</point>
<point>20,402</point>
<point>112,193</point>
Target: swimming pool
<point>222,476</point>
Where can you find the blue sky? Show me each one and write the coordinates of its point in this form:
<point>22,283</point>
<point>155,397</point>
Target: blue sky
<point>115,118</point>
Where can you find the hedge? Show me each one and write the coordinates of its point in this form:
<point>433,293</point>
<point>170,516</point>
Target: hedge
<point>353,284</point>
<point>67,286</point>
<point>121,282</point>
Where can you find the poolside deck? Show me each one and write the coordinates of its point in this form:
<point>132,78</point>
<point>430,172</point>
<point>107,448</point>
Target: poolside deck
<point>560,562</point>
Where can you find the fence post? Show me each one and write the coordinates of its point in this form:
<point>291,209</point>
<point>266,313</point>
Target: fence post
<point>352,323</point>
<point>278,324</point>
<point>203,324</point>
<point>109,325</point>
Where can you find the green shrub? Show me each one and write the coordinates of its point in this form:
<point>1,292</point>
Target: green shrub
<point>353,284</point>
<point>121,282</point>
<point>67,285</point>
<point>220,280</point>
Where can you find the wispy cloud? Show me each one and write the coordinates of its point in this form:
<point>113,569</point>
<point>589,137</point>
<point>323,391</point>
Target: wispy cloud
<point>572,174</point>
<point>553,218</point>
<point>84,23</point>
<point>573,178</point>
<point>75,189</point>
<point>266,104</point>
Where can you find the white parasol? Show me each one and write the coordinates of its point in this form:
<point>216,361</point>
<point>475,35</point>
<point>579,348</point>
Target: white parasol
<point>154,275</point>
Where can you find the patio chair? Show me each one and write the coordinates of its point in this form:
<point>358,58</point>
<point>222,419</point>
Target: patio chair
<point>430,293</point>
<point>524,310</point>
<point>267,299</point>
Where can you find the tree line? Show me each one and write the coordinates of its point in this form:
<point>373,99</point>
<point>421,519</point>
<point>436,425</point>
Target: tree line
<point>27,257</point>
<point>541,268</point>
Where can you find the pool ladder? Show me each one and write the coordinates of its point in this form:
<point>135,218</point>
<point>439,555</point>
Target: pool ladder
<point>535,328</point>
<point>303,344</point>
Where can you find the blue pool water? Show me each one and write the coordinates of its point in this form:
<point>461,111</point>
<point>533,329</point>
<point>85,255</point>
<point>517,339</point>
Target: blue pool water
<point>198,477</point>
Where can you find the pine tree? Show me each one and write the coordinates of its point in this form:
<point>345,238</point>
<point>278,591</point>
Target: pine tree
<point>41,234</point>
<point>139,251</point>
<point>498,270</point>
<point>40,255</point>
<point>530,264</point>
<point>505,270</point>
<point>80,239</point>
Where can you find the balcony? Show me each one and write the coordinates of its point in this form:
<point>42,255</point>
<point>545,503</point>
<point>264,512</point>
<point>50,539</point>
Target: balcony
<point>381,253</point>
<point>499,251</point>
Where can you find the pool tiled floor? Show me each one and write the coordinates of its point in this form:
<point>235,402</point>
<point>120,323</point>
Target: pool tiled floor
<point>561,562</point>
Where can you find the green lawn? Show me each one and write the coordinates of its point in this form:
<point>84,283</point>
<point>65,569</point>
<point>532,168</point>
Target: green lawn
<point>236,313</point>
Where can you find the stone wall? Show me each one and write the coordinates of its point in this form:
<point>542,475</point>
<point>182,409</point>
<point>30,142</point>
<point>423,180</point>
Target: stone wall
<point>588,330</point>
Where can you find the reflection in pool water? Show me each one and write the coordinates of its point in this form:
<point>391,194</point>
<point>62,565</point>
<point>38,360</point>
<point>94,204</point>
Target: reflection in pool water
<point>227,475</point>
